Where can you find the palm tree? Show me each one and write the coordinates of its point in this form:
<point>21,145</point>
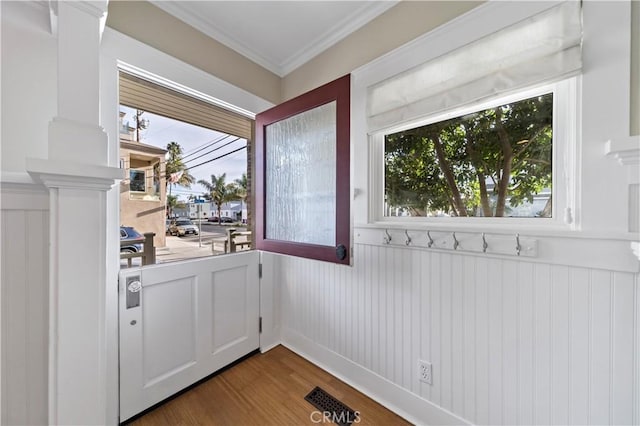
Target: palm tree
<point>175,170</point>
<point>218,191</point>
<point>172,203</point>
<point>242,190</point>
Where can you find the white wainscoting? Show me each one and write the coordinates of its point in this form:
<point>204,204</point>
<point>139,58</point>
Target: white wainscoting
<point>511,341</point>
<point>270,304</point>
<point>24,227</point>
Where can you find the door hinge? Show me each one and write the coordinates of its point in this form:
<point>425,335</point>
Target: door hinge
<point>259,270</point>
<point>260,325</point>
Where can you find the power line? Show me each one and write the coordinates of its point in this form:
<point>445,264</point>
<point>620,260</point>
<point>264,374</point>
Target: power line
<point>179,192</point>
<point>216,158</point>
<point>150,132</point>
<point>213,150</point>
<point>204,146</point>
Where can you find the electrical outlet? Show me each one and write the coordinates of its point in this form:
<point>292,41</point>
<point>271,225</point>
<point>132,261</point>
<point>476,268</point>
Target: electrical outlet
<point>424,372</point>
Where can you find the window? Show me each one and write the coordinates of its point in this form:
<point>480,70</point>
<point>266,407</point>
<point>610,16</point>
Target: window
<point>510,157</point>
<point>493,162</point>
<point>486,129</point>
<point>137,181</point>
<point>144,178</point>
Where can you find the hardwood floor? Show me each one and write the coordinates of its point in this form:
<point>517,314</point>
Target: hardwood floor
<point>265,389</point>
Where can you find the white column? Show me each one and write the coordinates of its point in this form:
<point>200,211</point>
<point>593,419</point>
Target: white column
<point>77,177</point>
<point>75,134</point>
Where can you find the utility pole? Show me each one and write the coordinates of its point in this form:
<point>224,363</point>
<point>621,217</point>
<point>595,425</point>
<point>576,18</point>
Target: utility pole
<point>141,124</point>
<point>199,202</point>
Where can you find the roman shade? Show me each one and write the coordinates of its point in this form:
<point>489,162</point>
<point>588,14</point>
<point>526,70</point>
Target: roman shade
<point>142,94</point>
<point>541,49</point>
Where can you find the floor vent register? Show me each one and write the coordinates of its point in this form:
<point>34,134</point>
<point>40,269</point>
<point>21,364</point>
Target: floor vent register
<point>330,409</point>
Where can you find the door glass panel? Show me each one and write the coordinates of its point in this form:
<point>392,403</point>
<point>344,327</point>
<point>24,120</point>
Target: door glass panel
<point>301,177</point>
<point>302,166</point>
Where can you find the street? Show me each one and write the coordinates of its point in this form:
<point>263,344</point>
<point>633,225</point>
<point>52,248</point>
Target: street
<point>209,231</point>
<point>191,246</point>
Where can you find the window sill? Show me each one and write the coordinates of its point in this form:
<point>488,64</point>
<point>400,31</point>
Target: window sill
<point>141,196</point>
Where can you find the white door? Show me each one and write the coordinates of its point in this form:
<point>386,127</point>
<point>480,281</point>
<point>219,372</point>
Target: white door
<point>187,320</point>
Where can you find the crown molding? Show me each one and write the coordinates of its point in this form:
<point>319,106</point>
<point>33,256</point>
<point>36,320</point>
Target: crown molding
<point>331,36</point>
<point>95,8</point>
<point>179,11</point>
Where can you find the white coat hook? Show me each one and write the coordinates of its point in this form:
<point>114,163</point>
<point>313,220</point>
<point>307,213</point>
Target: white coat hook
<point>518,247</point>
<point>455,242</point>
<point>484,243</point>
<point>408,240</point>
<point>387,238</point>
<point>430,239</point>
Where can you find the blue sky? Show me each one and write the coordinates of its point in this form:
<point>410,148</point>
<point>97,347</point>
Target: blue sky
<point>162,130</point>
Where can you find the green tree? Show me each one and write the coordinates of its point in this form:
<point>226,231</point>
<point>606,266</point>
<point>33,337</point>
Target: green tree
<point>445,166</point>
<point>172,203</point>
<point>242,191</point>
<point>175,170</point>
<point>242,185</point>
<point>219,191</point>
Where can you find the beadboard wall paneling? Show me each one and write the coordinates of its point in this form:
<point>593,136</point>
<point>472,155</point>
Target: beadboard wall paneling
<point>270,304</point>
<point>24,227</point>
<point>511,341</point>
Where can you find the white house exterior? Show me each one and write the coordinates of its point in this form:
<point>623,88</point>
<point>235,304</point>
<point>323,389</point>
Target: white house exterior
<point>547,339</point>
<point>236,210</point>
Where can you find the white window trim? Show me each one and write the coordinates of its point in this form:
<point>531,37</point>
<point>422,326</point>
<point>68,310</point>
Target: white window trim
<point>599,236</point>
<point>481,21</point>
<point>565,125</point>
<point>144,172</point>
<point>149,194</point>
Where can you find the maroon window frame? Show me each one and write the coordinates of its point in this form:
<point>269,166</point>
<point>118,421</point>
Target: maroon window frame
<point>339,91</point>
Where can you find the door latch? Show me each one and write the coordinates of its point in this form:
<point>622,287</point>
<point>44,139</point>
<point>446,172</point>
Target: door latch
<point>134,286</point>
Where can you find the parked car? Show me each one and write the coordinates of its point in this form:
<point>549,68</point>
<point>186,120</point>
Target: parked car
<point>212,219</point>
<point>130,235</point>
<point>226,219</point>
<point>182,227</point>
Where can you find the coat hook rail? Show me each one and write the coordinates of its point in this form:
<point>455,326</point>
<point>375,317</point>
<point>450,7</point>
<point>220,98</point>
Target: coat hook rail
<point>480,242</point>
<point>430,243</point>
